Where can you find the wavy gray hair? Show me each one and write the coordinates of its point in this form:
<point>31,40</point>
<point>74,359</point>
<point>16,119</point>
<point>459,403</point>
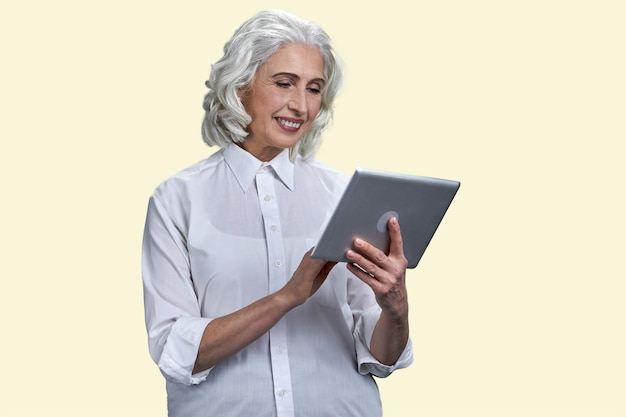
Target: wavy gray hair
<point>225,120</point>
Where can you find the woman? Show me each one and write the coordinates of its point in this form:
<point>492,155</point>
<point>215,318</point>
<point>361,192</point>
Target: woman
<point>241,321</point>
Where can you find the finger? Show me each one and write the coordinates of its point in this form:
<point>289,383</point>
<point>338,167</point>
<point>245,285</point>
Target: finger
<point>370,251</point>
<point>366,266</point>
<point>368,279</point>
<point>328,266</point>
<point>307,256</point>
<point>396,246</point>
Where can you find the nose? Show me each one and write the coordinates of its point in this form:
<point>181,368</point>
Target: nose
<point>298,101</point>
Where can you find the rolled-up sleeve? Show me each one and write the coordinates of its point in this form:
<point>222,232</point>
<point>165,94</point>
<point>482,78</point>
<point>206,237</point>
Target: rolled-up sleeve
<point>173,320</point>
<point>367,363</point>
<point>365,314</point>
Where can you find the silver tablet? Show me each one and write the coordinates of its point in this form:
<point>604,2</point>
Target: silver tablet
<point>372,198</point>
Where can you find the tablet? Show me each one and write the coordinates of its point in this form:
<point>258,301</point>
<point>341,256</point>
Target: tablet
<point>372,198</point>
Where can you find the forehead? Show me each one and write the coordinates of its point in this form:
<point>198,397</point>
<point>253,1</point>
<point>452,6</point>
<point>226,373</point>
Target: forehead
<point>305,61</point>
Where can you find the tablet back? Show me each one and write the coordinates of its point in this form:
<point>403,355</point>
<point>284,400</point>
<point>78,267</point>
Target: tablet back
<point>371,198</point>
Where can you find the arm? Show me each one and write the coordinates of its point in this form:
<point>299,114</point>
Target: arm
<point>386,276</point>
<point>181,341</point>
<point>229,334</point>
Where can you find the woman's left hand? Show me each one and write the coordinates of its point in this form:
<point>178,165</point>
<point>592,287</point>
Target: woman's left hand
<point>385,274</point>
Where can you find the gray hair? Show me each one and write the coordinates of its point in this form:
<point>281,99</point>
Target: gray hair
<point>225,120</point>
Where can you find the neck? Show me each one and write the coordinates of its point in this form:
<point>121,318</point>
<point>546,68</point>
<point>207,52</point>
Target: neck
<point>263,154</point>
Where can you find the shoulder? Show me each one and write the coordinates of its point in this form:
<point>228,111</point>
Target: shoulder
<point>183,181</point>
<point>329,177</point>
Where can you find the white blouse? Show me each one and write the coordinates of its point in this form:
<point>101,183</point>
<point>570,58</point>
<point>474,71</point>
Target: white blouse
<point>226,232</point>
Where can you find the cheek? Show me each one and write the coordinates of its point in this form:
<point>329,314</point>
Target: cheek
<point>314,109</point>
<point>273,105</point>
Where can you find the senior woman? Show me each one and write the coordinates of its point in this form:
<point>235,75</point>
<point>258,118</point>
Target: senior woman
<point>241,321</point>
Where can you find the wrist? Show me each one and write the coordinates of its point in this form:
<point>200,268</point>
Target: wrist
<point>397,317</point>
<point>284,300</point>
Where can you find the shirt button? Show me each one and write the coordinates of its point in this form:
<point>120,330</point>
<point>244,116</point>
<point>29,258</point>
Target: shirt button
<point>273,228</point>
<point>268,198</point>
<point>282,393</point>
<point>278,263</point>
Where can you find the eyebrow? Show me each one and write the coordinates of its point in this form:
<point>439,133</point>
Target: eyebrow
<point>297,77</point>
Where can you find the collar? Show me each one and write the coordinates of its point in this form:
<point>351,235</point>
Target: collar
<point>245,166</point>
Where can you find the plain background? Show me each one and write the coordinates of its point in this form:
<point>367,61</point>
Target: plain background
<point>517,308</point>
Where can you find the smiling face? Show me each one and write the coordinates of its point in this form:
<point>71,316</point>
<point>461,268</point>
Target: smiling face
<point>283,100</point>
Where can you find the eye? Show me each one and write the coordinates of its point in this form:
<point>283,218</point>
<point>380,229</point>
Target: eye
<point>314,88</point>
<point>282,84</point>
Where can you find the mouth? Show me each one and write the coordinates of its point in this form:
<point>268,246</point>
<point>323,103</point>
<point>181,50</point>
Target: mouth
<point>289,124</point>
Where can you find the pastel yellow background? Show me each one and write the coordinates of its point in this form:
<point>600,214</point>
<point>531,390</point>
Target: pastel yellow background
<point>517,308</point>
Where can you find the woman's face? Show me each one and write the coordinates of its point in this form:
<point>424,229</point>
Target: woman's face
<point>283,100</point>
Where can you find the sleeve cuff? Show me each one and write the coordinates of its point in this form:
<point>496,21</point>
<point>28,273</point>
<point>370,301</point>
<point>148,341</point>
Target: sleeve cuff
<point>367,363</point>
<point>181,350</point>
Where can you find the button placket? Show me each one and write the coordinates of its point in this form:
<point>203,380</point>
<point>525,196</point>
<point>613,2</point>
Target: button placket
<point>279,359</point>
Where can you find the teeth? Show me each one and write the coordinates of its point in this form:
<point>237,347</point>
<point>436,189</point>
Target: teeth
<point>287,123</point>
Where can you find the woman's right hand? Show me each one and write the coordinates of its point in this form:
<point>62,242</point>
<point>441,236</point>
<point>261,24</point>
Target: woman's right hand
<point>308,278</point>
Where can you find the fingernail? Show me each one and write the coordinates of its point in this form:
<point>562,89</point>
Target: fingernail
<point>358,242</point>
<point>350,254</point>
